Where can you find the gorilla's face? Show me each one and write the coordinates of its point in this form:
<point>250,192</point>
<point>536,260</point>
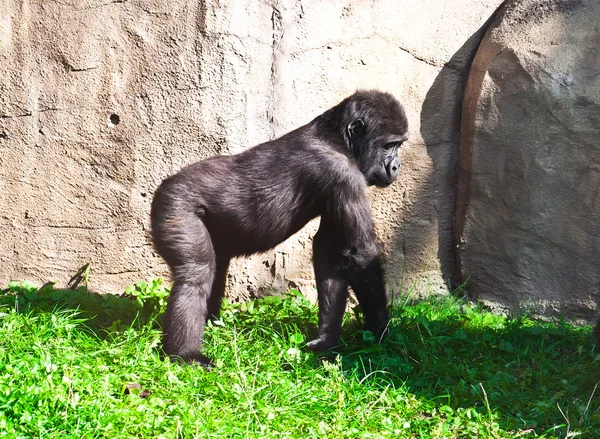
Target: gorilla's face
<point>375,139</point>
<point>380,163</point>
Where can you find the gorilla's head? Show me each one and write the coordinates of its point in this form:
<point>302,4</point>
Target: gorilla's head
<point>375,126</point>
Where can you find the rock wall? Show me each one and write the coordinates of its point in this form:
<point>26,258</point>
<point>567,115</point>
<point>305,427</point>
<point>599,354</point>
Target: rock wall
<point>100,100</point>
<point>528,204</point>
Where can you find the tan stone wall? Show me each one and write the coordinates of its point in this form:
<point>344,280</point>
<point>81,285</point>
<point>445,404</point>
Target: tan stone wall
<point>189,79</point>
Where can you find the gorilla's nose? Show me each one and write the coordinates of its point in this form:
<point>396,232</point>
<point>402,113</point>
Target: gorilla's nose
<point>393,168</point>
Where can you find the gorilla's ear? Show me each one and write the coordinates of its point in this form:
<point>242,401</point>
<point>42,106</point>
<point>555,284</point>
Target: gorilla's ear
<point>356,129</point>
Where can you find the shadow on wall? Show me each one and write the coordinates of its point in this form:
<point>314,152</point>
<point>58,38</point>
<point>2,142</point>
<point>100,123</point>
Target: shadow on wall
<point>435,201</point>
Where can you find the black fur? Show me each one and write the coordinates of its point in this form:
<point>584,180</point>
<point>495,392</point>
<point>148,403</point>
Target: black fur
<point>248,203</point>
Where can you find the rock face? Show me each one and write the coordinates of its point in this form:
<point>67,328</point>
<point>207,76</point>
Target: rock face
<point>528,204</point>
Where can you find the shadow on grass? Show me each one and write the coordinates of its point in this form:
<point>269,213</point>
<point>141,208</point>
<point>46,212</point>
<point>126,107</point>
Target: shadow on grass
<point>141,303</point>
<point>450,354</point>
<point>534,375</point>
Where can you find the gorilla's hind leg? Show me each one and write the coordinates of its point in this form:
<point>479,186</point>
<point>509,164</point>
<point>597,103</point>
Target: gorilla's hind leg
<point>191,255</point>
<point>332,289</point>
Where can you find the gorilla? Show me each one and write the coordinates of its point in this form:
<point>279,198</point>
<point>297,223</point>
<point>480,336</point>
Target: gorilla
<point>238,205</point>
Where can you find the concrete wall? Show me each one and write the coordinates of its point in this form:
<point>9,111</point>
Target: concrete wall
<point>191,79</point>
<point>100,100</point>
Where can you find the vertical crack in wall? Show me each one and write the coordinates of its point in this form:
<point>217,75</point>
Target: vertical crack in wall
<point>277,27</point>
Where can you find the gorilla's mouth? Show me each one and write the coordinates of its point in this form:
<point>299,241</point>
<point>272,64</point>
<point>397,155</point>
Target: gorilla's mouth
<point>381,181</point>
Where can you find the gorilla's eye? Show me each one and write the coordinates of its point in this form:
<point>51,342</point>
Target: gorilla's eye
<point>392,145</point>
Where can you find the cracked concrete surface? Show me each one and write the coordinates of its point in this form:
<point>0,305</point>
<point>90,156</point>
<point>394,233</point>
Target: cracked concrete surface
<point>99,101</point>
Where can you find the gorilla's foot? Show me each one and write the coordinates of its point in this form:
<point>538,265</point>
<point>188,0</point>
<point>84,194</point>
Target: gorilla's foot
<point>196,359</point>
<point>321,343</point>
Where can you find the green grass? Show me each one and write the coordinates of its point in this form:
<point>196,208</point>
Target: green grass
<point>447,370</point>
